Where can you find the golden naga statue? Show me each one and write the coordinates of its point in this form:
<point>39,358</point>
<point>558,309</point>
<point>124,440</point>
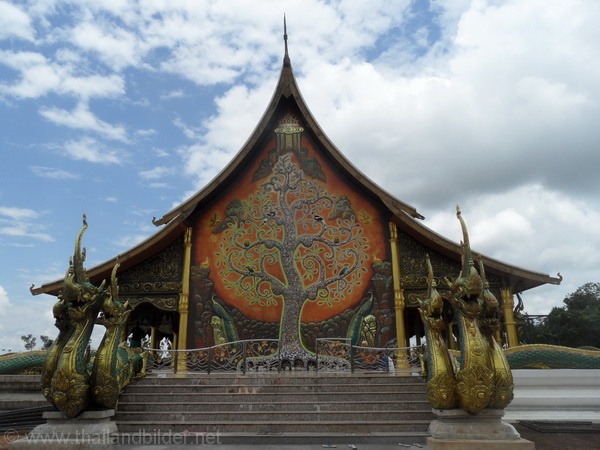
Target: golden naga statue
<point>115,363</point>
<point>483,378</point>
<point>66,379</point>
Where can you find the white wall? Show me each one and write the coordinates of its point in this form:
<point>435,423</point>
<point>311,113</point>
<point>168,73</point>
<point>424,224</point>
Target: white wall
<point>555,394</point>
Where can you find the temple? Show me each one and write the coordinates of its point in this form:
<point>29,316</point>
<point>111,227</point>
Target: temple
<point>292,242</point>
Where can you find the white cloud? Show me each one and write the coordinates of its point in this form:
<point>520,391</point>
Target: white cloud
<point>53,173</point>
<point>145,133</point>
<point>88,149</point>
<point>172,94</point>
<point>22,223</point>
<point>155,173</point>
<point>40,76</point>
<point>14,22</point>
<point>94,86</point>
<point>14,213</point>
<point>5,305</point>
<point>115,46</point>
<point>83,119</point>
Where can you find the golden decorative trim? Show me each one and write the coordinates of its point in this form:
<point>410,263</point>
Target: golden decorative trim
<point>164,303</point>
<point>157,287</point>
<point>510,325</point>
<point>399,302</point>
<point>184,296</point>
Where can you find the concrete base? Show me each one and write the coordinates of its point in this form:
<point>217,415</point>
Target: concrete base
<point>457,429</point>
<point>91,429</point>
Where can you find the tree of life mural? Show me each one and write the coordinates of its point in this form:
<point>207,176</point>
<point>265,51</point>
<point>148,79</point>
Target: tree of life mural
<point>291,242</point>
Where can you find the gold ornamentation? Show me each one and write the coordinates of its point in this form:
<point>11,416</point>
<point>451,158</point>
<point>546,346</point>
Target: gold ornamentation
<point>483,379</point>
<point>164,267</point>
<point>441,391</point>
<point>474,387</point>
<point>66,382</point>
<point>158,287</point>
<point>164,303</point>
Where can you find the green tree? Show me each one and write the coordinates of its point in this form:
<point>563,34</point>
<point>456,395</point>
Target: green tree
<point>29,341</point>
<point>577,324</point>
<point>46,342</point>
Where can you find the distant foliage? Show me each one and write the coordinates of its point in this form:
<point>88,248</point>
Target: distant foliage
<point>29,342</point>
<point>577,324</point>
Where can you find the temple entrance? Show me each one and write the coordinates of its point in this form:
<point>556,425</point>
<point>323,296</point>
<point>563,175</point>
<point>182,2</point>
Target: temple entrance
<point>152,327</point>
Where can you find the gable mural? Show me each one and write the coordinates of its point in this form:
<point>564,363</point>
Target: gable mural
<point>290,251</point>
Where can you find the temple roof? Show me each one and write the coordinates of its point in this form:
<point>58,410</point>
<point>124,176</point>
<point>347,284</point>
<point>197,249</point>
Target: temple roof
<point>287,96</point>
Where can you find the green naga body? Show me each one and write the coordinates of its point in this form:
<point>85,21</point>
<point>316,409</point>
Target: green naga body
<point>66,380</point>
<point>475,378</point>
<point>115,363</point>
<point>65,376</point>
<point>441,382</point>
<point>503,380</point>
<point>65,331</point>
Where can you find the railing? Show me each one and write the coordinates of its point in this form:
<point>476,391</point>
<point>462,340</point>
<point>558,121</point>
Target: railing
<point>244,355</point>
<point>332,355</point>
<point>339,354</point>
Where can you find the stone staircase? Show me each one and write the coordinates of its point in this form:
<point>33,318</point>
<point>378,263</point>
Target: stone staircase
<point>21,402</point>
<point>266,404</point>
<point>21,391</point>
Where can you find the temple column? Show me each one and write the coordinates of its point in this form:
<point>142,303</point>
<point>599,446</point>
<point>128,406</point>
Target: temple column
<point>153,338</point>
<point>510,325</point>
<point>401,357</point>
<point>184,302</point>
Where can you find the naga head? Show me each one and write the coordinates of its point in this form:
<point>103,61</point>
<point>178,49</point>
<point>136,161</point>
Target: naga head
<point>466,289</point>
<point>489,317</point>
<point>432,307</point>
<point>114,312</point>
<point>78,292</point>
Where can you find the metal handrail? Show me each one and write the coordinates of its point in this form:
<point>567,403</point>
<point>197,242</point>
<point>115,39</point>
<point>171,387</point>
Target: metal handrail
<point>240,351</point>
<point>237,356</point>
<point>355,357</point>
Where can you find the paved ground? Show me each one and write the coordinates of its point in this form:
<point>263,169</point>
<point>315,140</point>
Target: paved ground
<point>542,440</point>
<point>560,441</point>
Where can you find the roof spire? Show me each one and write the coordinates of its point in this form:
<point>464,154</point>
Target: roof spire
<point>286,56</point>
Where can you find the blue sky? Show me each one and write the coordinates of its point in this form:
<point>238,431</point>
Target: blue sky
<point>121,109</point>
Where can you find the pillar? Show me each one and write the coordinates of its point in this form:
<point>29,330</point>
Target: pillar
<point>184,301</point>
<point>510,325</point>
<point>153,338</point>
<point>399,303</point>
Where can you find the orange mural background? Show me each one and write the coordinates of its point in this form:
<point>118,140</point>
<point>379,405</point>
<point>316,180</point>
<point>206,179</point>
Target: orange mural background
<point>206,243</point>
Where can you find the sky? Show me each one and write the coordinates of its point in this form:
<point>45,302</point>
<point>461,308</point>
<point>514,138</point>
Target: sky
<point>122,109</point>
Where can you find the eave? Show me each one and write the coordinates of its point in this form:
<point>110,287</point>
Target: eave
<point>519,279</point>
<point>130,258</point>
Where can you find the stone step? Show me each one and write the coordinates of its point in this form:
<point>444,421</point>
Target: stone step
<point>273,388</point>
<point>290,415</point>
<point>271,403</point>
<point>185,397</point>
<point>350,405</point>
<point>20,383</point>
<point>20,400</point>
<point>192,379</point>
<point>272,427</point>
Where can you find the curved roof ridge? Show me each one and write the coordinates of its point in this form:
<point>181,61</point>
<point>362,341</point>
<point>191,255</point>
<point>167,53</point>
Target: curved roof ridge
<point>287,87</point>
